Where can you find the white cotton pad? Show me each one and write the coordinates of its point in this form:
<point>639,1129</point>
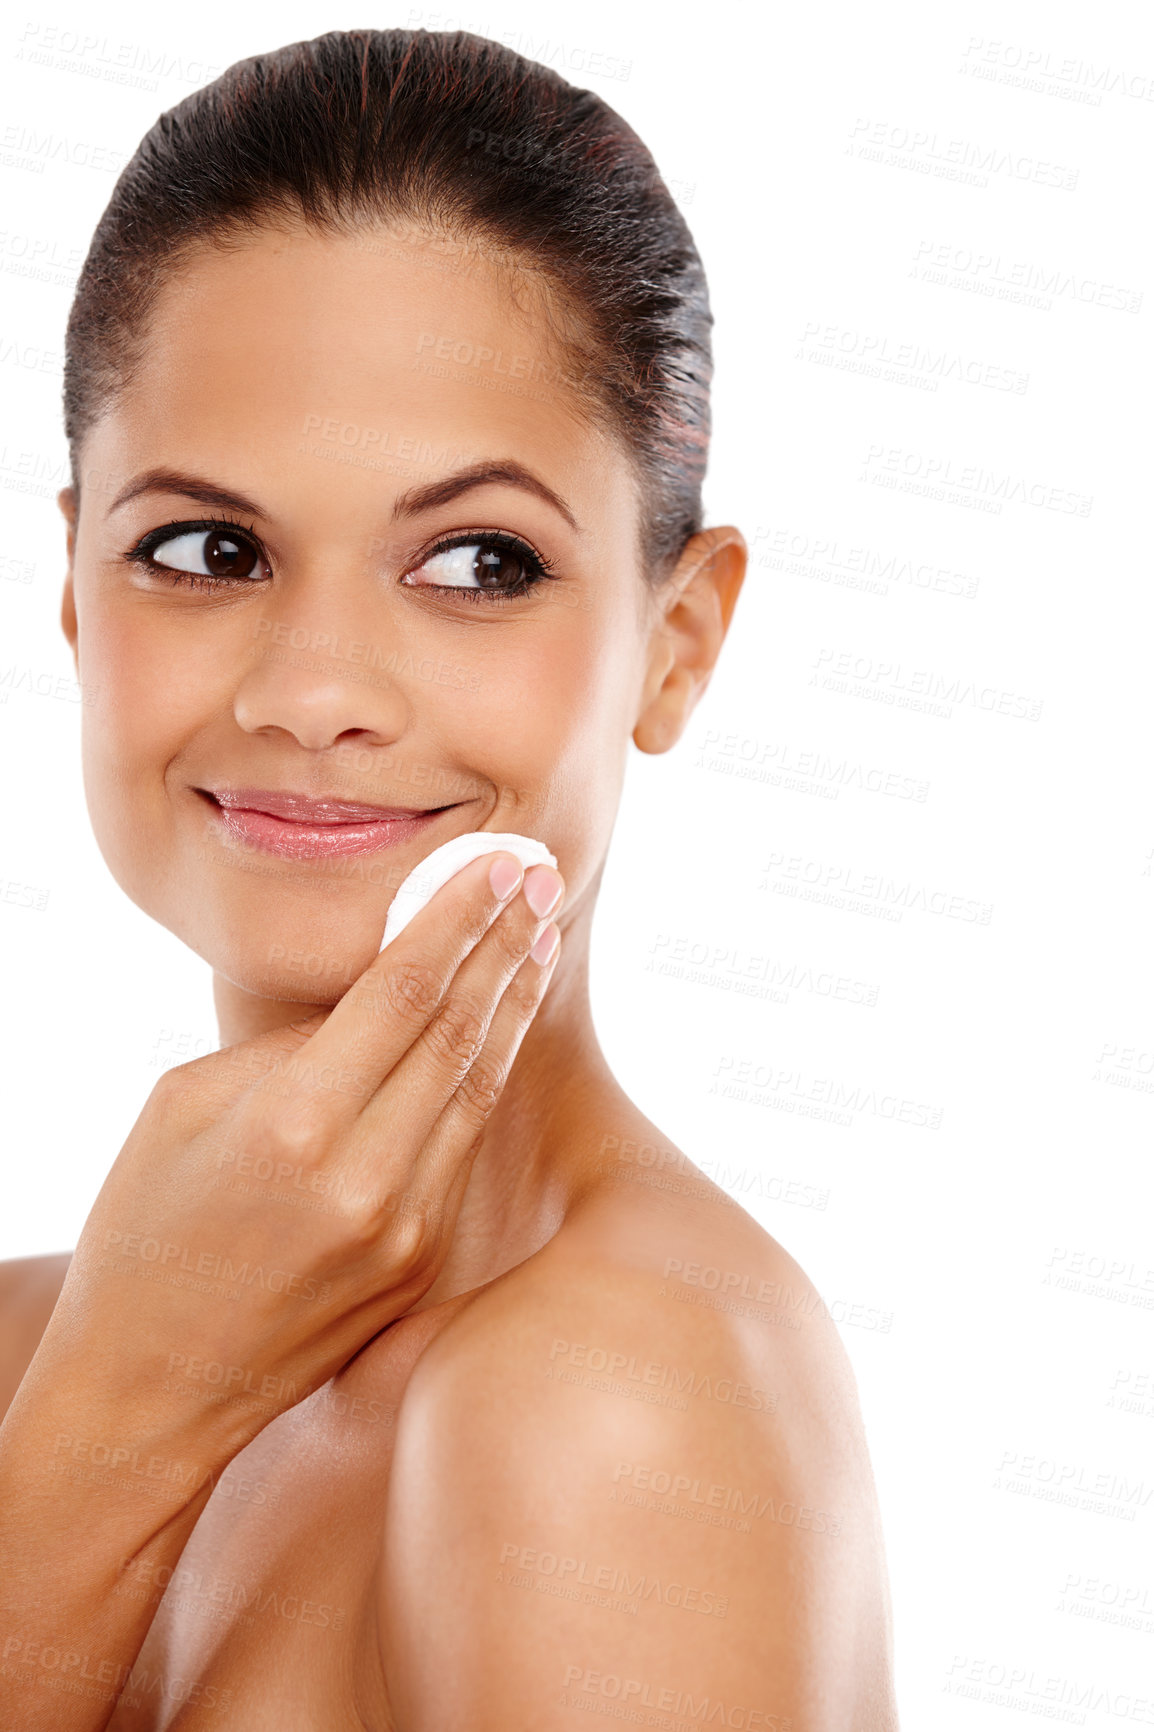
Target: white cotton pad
<point>439,866</point>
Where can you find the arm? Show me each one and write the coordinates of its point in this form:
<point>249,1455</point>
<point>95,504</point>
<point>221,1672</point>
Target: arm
<point>70,1639</point>
<point>29,1288</point>
<point>378,1105</point>
<point>577,1546</point>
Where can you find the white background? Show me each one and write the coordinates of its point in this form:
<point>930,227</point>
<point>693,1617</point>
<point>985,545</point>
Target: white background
<point>904,211</point>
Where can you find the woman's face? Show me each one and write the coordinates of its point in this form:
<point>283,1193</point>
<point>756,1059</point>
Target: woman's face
<point>341,410</point>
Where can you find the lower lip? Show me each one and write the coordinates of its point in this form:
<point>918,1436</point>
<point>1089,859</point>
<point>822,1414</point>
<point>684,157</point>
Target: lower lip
<point>293,841</point>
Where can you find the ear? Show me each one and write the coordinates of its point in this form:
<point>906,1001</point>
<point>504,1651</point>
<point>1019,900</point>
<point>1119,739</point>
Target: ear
<point>67,501</point>
<point>695,607</point>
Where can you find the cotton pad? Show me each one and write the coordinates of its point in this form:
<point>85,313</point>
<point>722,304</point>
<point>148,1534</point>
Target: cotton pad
<point>439,866</point>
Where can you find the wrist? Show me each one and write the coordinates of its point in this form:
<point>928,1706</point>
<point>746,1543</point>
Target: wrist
<point>143,1449</point>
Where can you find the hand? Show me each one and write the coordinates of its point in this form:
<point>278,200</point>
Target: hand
<point>280,1202</point>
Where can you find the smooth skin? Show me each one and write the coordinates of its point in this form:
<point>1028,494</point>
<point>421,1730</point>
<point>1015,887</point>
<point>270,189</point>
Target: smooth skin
<point>516,1463</point>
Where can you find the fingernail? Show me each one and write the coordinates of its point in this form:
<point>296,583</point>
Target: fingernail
<point>504,876</point>
<point>546,944</point>
<point>543,889</point>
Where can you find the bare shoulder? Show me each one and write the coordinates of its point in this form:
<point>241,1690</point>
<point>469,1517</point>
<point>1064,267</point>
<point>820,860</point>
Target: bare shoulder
<point>633,1473</point>
<point>29,1289</point>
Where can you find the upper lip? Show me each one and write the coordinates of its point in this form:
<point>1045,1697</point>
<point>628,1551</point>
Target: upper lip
<point>311,808</point>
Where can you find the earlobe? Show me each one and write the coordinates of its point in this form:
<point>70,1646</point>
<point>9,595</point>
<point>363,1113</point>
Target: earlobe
<point>701,594</point>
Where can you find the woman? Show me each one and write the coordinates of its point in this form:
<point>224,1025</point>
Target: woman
<point>383,1390</point>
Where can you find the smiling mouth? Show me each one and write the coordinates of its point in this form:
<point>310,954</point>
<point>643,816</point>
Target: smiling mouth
<point>302,827</point>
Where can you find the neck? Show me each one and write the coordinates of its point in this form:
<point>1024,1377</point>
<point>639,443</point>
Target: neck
<point>539,1153</point>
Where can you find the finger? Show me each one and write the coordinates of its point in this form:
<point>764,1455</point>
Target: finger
<point>393,1001</point>
<point>413,1095</point>
<point>442,1168</point>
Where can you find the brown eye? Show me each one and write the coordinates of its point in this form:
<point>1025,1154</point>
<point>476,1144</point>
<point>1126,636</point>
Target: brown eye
<point>227,556</point>
<point>208,553</point>
<point>483,564</point>
<point>497,568</point>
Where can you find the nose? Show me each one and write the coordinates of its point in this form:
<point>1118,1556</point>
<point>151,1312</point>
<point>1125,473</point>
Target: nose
<point>321,685</point>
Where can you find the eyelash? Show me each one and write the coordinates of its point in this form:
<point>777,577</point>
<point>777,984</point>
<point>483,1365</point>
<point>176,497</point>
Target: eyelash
<point>536,566</point>
<point>141,552</point>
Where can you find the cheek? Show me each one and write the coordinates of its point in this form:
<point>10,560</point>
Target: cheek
<point>146,702</point>
<point>142,685</point>
<point>554,708</point>
<point>550,730</point>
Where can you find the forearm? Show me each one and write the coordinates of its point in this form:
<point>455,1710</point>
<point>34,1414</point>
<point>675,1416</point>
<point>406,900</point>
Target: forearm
<point>97,1501</point>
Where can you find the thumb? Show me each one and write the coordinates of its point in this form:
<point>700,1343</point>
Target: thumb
<point>262,1049</point>
<point>221,1077</point>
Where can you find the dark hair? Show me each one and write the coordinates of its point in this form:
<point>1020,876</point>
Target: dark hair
<point>465,138</point>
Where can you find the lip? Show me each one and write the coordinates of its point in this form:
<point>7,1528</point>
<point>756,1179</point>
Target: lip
<point>303,827</point>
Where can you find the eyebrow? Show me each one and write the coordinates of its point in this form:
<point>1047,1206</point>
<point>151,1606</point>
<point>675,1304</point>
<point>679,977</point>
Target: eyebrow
<point>191,486</point>
<point>506,472</point>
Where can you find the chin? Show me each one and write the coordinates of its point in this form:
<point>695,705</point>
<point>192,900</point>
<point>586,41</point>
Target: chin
<point>290,950</point>
<point>285,981</point>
